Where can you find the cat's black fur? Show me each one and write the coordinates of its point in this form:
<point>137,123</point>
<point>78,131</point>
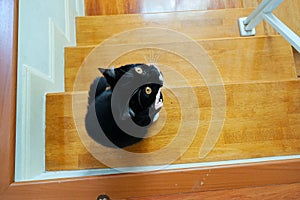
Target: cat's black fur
<point>140,107</point>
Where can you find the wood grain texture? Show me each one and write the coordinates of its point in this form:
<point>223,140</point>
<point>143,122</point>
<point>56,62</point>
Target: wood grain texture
<point>239,60</point>
<point>8,66</point>
<point>297,61</point>
<point>160,183</point>
<point>112,7</point>
<point>262,119</point>
<point>278,192</point>
<point>196,24</point>
<point>288,13</point>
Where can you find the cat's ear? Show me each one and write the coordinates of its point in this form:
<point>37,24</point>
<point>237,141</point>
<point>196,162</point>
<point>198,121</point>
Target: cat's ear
<point>109,75</point>
<point>102,70</point>
<point>108,72</point>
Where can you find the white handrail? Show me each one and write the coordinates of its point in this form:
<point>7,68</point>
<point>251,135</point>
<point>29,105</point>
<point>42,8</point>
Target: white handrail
<point>264,12</point>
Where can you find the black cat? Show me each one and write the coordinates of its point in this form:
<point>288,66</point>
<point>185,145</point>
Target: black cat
<point>124,103</point>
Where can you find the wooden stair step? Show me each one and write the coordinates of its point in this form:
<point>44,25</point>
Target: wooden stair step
<point>262,119</point>
<point>111,7</point>
<point>92,30</point>
<point>238,60</point>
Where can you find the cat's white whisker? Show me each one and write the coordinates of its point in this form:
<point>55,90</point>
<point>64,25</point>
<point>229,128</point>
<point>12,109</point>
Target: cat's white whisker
<point>152,56</point>
<point>146,59</point>
<point>157,56</point>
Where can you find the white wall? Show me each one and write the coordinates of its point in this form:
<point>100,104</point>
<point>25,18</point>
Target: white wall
<point>45,28</point>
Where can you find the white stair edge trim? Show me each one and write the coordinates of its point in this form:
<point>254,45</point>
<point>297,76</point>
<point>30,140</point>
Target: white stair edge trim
<point>97,172</point>
<point>34,84</point>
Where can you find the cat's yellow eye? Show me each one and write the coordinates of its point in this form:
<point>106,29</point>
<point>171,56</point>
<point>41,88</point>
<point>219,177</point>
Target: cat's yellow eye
<point>138,70</point>
<point>148,90</point>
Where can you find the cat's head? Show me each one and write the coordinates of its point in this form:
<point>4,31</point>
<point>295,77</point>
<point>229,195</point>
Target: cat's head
<point>146,95</point>
<point>134,73</point>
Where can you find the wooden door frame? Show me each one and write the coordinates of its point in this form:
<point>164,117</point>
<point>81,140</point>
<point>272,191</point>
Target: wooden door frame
<point>117,186</point>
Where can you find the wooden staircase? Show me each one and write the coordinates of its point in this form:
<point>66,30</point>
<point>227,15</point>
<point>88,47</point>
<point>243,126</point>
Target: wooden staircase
<point>259,75</point>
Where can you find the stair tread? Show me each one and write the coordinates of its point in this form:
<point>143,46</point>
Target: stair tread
<point>109,7</point>
<point>262,119</point>
<point>92,30</point>
<point>238,60</point>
